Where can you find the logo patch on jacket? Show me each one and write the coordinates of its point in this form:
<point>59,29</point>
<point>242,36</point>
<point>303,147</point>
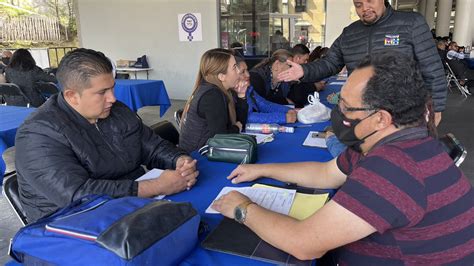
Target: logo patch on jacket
<point>391,40</point>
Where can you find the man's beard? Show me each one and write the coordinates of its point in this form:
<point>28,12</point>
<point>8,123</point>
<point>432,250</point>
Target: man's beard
<point>371,21</point>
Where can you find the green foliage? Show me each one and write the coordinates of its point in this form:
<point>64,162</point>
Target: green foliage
<point>62,10</point>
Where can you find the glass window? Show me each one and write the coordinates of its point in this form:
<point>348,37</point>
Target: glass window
<point>262,26</point>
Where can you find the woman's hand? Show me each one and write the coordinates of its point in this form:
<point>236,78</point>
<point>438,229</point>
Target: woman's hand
<point>241,88</point>
<point>291,116</point>
<point>239,125</point>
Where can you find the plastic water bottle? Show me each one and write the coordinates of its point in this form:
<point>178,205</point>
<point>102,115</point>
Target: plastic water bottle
<point>267,128</point>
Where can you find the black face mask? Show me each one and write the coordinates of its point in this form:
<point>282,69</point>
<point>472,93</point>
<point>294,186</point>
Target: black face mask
<point>344,129</point>
<point>6,60</point>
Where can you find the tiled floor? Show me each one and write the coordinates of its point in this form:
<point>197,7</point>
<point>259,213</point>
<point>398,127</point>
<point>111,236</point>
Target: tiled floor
<point>456,119</point>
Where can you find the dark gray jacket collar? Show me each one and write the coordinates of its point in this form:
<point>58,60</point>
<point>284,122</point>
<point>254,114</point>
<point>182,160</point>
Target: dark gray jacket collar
<point>64,106</point>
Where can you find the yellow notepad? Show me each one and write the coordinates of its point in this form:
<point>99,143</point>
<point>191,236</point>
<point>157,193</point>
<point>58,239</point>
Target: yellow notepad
<point>304,205</point>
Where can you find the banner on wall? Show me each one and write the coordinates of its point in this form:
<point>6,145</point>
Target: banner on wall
<point>190,27</point>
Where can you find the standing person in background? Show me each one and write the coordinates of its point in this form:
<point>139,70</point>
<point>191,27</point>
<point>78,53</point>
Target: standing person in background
<point>259,110</point>
<point>380,28</point>
<point>211,108</point>
<point>279,41</point>
<point>24,72</point>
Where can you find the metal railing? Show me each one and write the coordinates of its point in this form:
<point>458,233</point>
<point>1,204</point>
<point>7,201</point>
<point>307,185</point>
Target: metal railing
<point>55,54</point>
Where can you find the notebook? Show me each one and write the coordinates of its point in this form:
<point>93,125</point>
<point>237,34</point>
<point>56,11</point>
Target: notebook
<point>237,239</point>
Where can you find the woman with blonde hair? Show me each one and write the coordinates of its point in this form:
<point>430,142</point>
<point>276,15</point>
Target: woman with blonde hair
<point>211,109</point>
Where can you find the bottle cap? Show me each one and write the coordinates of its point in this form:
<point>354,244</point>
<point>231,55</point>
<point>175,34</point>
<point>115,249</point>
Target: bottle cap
<point>288,129</point>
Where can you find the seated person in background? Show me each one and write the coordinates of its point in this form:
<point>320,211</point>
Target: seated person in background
<point>82,141</point>
<point>401,199</point>
<point>257,109</point>
<point>6,56</point>
<point>459,66</point>
<point>211,108</point>
<point>24,72</point>
<point>441,47</point>
<point>238,48</point>
<point>263,77</point>
<point>299,92</point>
<point>300,54</point>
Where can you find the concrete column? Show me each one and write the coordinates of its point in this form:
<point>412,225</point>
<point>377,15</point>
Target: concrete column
<point>422,7</point>
<point>462,22</point>
<point>444,16</point>
<point>430,12</point>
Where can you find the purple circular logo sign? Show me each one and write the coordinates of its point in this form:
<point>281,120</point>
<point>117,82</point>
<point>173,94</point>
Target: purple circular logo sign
<point>189,23</point>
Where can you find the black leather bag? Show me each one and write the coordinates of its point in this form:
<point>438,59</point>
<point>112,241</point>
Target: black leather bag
<point>141,62</point>
<point>231,148</point>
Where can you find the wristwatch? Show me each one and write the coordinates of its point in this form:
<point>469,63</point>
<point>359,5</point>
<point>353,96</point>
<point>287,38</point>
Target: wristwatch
<point>240,212</point>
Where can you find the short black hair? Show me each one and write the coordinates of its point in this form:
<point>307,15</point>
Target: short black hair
<point>80,65</point>
<point>397,87</point>
<point>300,49</point>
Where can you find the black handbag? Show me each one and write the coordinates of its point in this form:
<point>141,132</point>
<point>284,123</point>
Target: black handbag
<point>141,62</point>
<point>231,148</point>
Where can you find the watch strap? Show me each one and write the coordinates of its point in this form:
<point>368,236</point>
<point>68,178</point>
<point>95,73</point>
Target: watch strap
<point>243,208</point>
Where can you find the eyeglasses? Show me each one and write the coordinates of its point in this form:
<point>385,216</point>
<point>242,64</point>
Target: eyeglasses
<point>345,109</point>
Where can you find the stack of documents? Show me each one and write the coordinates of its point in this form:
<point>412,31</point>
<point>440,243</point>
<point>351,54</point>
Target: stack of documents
<point>281,200</point>
<point>277,200</point>
<point>304,205</point>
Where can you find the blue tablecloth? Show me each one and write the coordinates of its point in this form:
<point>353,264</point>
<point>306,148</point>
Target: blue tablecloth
<point>136,93</point>
<point>11,117</point>
<point>212,178</point>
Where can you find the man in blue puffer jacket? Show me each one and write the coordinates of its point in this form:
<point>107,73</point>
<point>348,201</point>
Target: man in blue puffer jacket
<point>380,28</point>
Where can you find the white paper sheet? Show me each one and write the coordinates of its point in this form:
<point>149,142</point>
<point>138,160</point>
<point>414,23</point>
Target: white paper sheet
<point>275,199</point>
<point>337,83</point>
<point>314,140</point>
<point>153,173</point>
<point>261,138</point>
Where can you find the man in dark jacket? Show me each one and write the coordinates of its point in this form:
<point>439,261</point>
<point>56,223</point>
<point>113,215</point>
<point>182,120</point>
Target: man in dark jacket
<point>82,141</point>
<point>380,27</point>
